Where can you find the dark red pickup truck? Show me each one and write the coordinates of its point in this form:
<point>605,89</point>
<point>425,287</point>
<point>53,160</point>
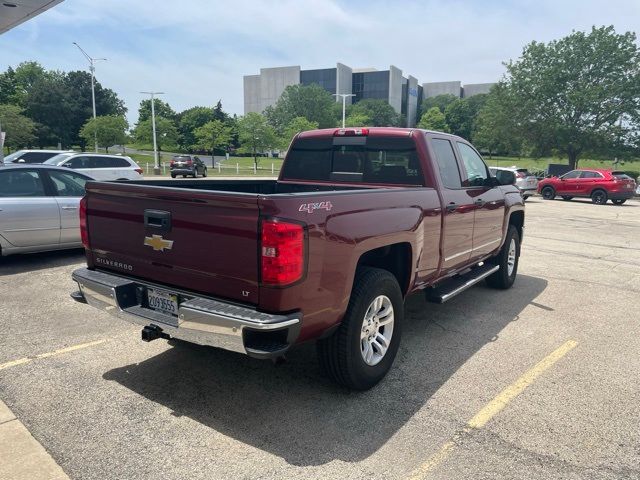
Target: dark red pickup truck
<point>357,220</point>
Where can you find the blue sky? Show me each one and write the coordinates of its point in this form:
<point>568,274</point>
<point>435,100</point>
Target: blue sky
<point>197,51</point>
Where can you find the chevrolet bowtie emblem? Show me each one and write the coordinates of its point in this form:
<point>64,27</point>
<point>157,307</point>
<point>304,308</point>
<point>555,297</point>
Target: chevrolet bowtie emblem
<point>158,243</point>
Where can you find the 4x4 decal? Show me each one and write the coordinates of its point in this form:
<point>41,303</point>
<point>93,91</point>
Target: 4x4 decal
<point>310,207</point>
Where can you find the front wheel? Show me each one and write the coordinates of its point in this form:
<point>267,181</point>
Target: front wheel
<point>507,260</point>
<point>548,193</point>
<point>619,202</point>
<point>360,353</point>
<point>204,172</point>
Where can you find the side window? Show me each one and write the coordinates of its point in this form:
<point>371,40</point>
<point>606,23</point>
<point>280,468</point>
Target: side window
<point>35,157</point>
<point>447,163</point>
<point>590,175</point>
<point>474,165</point>
<point>110,162</point>
<point>571,174</point>
<point>78,162</point>
<point>68,184</point>
<point>21,183</point>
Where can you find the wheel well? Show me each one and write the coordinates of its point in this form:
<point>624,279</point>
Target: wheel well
<point>517,220</point>
<point>599,189</point>
<point>395,258</point>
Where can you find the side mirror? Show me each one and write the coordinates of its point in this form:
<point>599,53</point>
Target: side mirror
<point>505,177</point>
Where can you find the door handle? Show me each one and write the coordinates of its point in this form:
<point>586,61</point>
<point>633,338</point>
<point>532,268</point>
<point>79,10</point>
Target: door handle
<point>68,207</point>
<point>479,202</point>
<point>451,207</point>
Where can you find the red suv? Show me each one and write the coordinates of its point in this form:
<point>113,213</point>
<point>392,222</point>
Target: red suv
<point>599,185</point>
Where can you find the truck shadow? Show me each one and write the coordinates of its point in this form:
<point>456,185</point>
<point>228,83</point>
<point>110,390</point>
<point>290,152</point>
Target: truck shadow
<point>296,413</point>
<point>32,262</point>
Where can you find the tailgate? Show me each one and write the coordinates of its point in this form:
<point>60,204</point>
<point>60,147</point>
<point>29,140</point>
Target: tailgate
<point>193,240</point>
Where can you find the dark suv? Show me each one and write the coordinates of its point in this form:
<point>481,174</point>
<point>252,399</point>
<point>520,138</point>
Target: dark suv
<point>187,165</point>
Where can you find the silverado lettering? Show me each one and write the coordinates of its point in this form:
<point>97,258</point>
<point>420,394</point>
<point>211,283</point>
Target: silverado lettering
<point>250,270</point>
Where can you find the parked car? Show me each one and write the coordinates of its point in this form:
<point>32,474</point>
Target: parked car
<point>99,166</point>
<point>187,165</point>
<point>597,184</point>
<point>32,156</point>
<point>358,219</point>
<point>526,182</point>
<point>39,208</point>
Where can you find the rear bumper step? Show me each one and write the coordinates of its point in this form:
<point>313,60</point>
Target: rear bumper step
<point>200,320</point>
<point>456,285</point>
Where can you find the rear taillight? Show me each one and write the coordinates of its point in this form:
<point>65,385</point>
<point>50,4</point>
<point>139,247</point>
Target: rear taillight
<point>84,233</point>
<point>282,252</point>
<point>351,132</point>
<point>189,162</point>
<point>139,170</point>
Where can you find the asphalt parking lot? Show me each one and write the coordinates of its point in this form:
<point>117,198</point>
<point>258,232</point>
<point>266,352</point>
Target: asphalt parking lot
<point>470,395</point>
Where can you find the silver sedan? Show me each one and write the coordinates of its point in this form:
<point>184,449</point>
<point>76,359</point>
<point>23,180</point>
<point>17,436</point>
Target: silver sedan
<point>39,208</point>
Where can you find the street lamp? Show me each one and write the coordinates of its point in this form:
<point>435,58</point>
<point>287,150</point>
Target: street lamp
<point>344,102</point>
<point>92,68</point>
<point>156,159</point>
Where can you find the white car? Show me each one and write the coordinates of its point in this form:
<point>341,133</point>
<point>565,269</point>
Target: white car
<point>99,166</point>
<point>32,156</point>
<point>525,181</point>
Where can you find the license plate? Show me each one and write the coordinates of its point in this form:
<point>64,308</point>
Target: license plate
<point>162,301</point>
<point>629,186</point>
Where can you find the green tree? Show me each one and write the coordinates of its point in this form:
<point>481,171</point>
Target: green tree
<point>433,119</point>
<point>440,101</point>
<point>355,119</point>
<point>297,125</point>
<point>109,130</point>
<point>219,113</point>
<point>19,128</point>
<point>189,121</point>
<point>379,112</point>
<point>166,133</point>
<point>579,94</point>
<point>309,101</point>
<point>162,109</point>
<point>256,135</point>
<point>8,87</point>
<point>212,135</point>
<point>494,128</point>
<point>461,114</point>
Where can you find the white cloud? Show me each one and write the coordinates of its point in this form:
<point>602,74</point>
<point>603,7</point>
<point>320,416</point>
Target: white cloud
<point>198,51</point>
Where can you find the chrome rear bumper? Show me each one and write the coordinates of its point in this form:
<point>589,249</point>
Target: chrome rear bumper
<point>200,320</point>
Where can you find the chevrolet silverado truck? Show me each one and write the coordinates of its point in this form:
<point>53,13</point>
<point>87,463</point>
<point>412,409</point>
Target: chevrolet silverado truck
<point>357,220</point>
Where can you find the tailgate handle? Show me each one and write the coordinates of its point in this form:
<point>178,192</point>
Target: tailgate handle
<point>158,220</point>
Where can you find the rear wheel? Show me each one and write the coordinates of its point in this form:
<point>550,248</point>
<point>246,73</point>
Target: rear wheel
<point>507,260</point>
<point>599,197</point>
<point>548,193</point>
<point>173,175</point>
<point>619,202</point>
<point>204,172</point>
<point>567,197</point>
<point>184,176</point>
<point>360,353</point>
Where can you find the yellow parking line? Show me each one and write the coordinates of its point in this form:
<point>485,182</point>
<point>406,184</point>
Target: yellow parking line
<point>60,351</point>
<point>494,407</point>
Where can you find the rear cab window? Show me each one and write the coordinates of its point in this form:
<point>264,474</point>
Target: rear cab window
<point>369,159</point>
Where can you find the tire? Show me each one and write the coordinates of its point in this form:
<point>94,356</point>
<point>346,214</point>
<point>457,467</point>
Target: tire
<point>342,355</point>
<point>566,198</point>
<point>619,202</point>
<point>184,176</point>
<point>204,172</point>
<point>195,173</point>
<point>173,175</point>
<point>507,259</point>
<point>599,197</point>
<point>548,193</point>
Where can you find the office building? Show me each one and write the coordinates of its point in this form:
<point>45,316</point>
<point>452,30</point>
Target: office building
<point>403,93</point>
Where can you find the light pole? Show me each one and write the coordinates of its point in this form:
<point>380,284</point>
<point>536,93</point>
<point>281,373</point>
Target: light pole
<point>344,103</point>
<point>156,159</point>
<point>92,68</point>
